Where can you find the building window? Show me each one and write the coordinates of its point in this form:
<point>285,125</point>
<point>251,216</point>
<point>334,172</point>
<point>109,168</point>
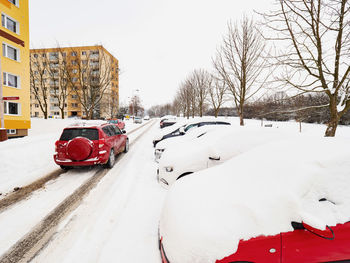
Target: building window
<point>10,80</point>
<point>74,71</point>
<point>36,105</point>
<point>75,105</point>
<point>73,54</point>
<point>53,55</point>
<point>10,52</point>
<point>12,131</point>
<point>36,114</point>
<point>9,23</point>
<point>12,108</point>
<point>43,55</point>
<point>74,79</point>
<point>35,55</point>
<point>74,62</point>
<point>74,96</point>
<point>83,53</point>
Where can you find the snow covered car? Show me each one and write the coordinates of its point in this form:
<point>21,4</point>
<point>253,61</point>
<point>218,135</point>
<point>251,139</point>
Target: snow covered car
<point>90,143</point>
<point>118,122</point>
<point>137,120</point>
<point>146,118</point>
<point>173,138</point>
<point>210,149</point>
<point>282,202</point>
<point>167,121</point>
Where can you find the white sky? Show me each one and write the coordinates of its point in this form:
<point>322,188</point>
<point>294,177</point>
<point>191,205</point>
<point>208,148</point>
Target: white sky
<point>157,42</point>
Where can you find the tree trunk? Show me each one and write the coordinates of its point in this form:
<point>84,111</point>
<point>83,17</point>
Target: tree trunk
<point>216,112</point>
<point>241,120</point>
<point>334,120</point>
<point>62,114</point>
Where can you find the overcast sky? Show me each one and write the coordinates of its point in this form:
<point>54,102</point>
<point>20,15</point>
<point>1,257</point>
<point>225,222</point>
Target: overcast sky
<point>157,42</point>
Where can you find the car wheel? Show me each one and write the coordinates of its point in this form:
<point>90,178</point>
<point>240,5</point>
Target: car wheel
<point>126,149</point>
<point>184,174</point>
<point>65,167</point>
<point>111,159</point>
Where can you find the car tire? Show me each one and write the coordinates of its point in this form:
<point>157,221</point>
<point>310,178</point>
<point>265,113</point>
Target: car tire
<point>126,148</point>
<point>111,159</point>
<point>66,168</point>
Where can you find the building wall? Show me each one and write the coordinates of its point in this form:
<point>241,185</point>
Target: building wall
<point>20,68</point>
<point>73,105</point>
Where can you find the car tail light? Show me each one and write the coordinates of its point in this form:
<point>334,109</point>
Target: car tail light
<point>101,143</point>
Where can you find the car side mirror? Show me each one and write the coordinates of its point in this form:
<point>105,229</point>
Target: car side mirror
<point>123,131</point>
<point>214,158</point>
<point>326,233</point>
<point>182,130</point>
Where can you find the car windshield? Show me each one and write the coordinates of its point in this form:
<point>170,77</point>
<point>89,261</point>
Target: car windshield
<point>113,121</point>
<point>69,134</point>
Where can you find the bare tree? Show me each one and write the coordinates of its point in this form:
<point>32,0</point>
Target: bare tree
<point>39,82</point>
<point>240,62</point>
<point>316,56</point>
<point>217,94</point>
<point>200,79</point>
<point>135,106</point>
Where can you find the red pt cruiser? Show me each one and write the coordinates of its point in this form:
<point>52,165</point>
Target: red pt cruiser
<point>84,145</point>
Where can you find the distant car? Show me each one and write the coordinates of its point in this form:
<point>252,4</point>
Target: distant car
<point>119,123</point>
<point>86,144</point>
<point>146,118</point>
<point>282,202</point>
<point>208,149</point>
<point>137,120</point>
<point>167,121</point>
<point>181,127</point>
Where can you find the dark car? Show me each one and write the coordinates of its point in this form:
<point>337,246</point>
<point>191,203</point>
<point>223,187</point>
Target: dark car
<point>167,121</point>
<point>85,145</point>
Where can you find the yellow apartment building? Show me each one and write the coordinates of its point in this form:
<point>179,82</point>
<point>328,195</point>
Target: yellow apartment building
<point>46,72</point>
<point>14,70</point>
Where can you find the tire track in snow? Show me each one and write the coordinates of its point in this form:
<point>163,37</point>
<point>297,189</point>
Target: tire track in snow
<point>36,239</point>
<point>25,191</point>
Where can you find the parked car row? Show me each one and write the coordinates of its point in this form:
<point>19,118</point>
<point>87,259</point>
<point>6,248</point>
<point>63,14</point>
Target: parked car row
<point>251,196</point>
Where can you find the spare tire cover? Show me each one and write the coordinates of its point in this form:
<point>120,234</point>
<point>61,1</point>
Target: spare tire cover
<point>79,148</point>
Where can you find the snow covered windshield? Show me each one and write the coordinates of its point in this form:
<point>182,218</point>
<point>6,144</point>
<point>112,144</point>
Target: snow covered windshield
<point>69,134</point>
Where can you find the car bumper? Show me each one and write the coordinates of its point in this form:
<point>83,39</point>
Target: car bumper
<point>87,162</point>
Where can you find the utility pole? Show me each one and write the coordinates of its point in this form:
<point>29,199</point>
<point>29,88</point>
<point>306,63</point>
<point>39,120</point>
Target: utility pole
<point>3,132</point>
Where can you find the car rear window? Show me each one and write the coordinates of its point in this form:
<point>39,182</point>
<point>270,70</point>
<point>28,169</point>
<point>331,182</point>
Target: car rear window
<point>69,134</point>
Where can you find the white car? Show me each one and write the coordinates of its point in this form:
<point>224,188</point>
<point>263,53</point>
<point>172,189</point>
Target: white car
<point>212,148</point>
<point>279,202</point>
<point>189,135</point>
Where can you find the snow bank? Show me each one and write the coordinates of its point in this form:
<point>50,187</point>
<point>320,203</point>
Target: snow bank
<point>256,193</point>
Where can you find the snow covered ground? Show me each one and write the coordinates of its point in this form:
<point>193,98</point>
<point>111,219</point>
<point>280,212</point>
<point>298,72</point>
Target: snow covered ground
<point>118,221</point>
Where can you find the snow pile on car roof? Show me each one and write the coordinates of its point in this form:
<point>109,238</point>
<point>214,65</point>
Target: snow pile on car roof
<point>87,123</point>
<point>259,192</point>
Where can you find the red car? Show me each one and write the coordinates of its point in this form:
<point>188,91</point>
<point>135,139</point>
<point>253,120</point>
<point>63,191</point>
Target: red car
<point>304,244</point>
<point>85,145</point>
<point>120,124</point>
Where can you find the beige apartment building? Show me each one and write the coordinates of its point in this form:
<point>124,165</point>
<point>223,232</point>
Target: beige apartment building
<point>74,81</point>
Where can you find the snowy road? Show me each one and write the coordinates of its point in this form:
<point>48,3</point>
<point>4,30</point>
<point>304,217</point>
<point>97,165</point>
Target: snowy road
<point>12,225</point>
<point>124,228</point>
